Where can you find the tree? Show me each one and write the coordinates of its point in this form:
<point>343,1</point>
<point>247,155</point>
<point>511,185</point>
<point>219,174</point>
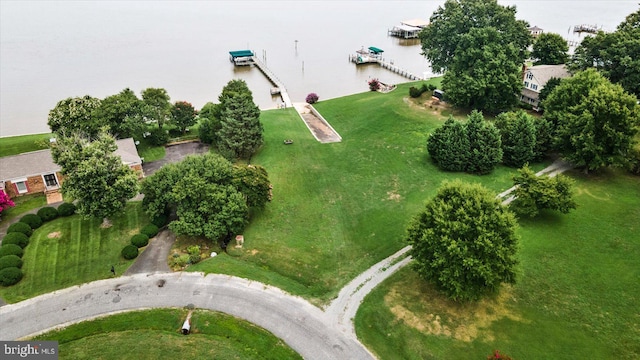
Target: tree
<point>253,182</point>
<point>94,176</point>
<point>595,120</point>
<point>5,201</point>
<point>546,90</point>
<point>183,115</point>
<point>464,241</point>
<point>209,124</point>
<point>616,54</point>
<point>75,114</point>
<point>534,193</point>
<point>485,147</point>
<point>480,46</point>
<point>240,128</point>
<point>518,137</point>
<point>448,146</point>
<point>550,49</point>
<point>122,113</point>
<point>156,105</point>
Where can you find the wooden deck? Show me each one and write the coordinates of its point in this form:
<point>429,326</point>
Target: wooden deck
<point>387,65</point>
<point>274,80</point>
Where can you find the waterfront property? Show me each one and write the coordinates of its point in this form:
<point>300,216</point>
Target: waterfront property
<point>35,172</point>
<point>408,29</point>
<point>534,80</point>
<point>373,55</point>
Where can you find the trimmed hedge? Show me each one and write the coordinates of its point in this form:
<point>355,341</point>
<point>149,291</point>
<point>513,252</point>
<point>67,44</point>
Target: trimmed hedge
<point>21,228</point>
<point>149,230</point>
<point>10,261</point>
<point>160,221</point>
<point>10,276</point>
<point>130,252</point>
<point>48,213</point>
<point>32,220</point>
<point>11,249</point>
<point>139,240</point>
<point>16,238</point>
<point>66,209</point>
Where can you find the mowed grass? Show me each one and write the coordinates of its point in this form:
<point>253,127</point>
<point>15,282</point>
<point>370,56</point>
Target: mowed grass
<point>25,143</point>
<point>71,251</point>
<point>339,208</point>
<point>576,297</point>
<point>155,334</point>
<point>23,204</point>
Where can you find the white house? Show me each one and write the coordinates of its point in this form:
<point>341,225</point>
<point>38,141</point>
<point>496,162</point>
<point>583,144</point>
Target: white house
<point>535,78</point>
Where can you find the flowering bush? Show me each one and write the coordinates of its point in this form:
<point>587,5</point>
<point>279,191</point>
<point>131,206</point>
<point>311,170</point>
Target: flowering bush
<point>5,201</point>
<point>374,84</point>
<point>497,356</point>
<point>312,98</point>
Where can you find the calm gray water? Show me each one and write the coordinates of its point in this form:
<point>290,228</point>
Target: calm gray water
<point>51,50</point>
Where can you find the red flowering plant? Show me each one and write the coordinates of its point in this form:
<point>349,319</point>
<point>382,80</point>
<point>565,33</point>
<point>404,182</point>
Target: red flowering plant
<point>374,84</point>
<point>497,356</point>
<point>312,98</point>
<point>5,201</point>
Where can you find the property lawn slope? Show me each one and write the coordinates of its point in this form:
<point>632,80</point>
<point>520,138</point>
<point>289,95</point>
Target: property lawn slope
<point>70,251</point>
<point>339,208</point>
<point>14,145</point>
<point>576,297</point>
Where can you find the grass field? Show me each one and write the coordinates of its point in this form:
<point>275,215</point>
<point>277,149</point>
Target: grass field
<point>20,144</point>
<point>22,205</point>
<point>155,334</point>
<point>339,208</point>
<point>576,297</point>
<point>70,251</point>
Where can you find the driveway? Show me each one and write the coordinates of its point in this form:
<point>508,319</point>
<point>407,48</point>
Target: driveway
<point>175,153</point>
<point>154,257</point>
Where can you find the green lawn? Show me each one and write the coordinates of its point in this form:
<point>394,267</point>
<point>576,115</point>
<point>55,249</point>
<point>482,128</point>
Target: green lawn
<point>23,204</point>
<point>339,208</point>
<point>155,334</point>
<point>20,144</point>
<point>70,251</point>
<point>576,298</point>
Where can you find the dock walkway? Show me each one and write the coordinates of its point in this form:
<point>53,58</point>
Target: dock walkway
<point>387,65</point>
<point>274,80</point>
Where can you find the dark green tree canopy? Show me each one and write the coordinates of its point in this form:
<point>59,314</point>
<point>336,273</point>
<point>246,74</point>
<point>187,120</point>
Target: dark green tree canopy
<point>616,54</point>
<point>240,127</point>
<point>550,49</point>
<point>75,115</point>
<point>518,136</point>
<point>534,193</point>
<point>94,176</point>
<point>183,115</point>
<point>595,121</point>
<point>464,241</point>
<point>122,113</point>
<point>156,105</point>
<point>448,146</point>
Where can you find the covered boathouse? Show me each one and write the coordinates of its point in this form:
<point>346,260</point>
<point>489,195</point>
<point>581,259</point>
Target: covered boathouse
<point>241,57</point>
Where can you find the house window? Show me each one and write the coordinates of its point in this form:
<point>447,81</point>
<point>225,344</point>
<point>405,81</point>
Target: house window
<point>534,86</point>
<point>50,180</point>
<point>526,84</point>
<point>21,186</point>
<point>529,76</point>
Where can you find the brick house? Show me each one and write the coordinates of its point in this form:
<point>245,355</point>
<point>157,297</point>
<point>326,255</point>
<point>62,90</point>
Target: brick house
<point>35,172</point>
<point>534,79</point>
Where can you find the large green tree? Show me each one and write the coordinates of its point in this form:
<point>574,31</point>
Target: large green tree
<point>183,115</point>
<point>616,54</point>
<point>595,121</point>
<point>240,127</point>
<point>209,123</point>
<point>93,175</point>
<point>518,135</point>
<point>156,106</point>
<point>122,113</point>
<point>464,241</point>
<point>534,193</point>
<point>550,49</point>
<point>485,146</point>
<point>448,146</point>
<point>75,114</point>
<point>480,46</point>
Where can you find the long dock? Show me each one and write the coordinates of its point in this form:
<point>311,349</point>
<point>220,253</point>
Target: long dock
<point>387,65</point>
<point>274,80</point>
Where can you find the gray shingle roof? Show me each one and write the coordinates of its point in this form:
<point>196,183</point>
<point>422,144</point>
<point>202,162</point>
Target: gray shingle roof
<point>543,73</point>
<point>40,162</point>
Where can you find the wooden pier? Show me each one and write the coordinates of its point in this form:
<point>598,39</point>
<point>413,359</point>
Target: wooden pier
<point>387,65</point>
<point>279,86</point>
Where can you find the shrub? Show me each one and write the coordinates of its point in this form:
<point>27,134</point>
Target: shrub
<point>139,240</point>
<point>497,356</point>
<point>48,213</point>
<point>180,261</point>
<point>414,92</point>
<point>158,137</point>
<point>149,230</point>
<point>66,209</point>
<point>374,84</point>
<point>10,276</point>
<point>10,261</point>
<point>33,220</point>
<point>16,238</point>
<point>194,254</point>
<point>130,252</point>
<point>21,228</point>
<point>11,249</point>
<point>159,221</point>
<point>312,98</point>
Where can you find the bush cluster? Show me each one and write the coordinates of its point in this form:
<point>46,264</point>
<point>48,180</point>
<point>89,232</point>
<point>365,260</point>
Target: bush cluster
<point>150,230</point>
<point>11,249</point>
<point>194,254</point>
<point>16,238</point>
<point>160,221</point>
<point>66,209</point>
<point>10,276</point>
<point>21,228</point>
<point>48,213</point>
<point>139,240</point>
<point>33,220</point>
<point>130,252</point>
<point>312,98</point>
<point>158,137</point>
<point>8,261</point>
<point>415,92</point>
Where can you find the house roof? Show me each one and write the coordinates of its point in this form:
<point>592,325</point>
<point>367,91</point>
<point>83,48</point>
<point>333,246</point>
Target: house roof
<point>416,23</point>
<point>41,162</point>
<point>535,28</point>
<point>543,73</point>
<point>240,53</point>
<point>407,28</point>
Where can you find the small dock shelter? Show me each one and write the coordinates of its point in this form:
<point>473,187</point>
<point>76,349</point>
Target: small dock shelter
<point>370,55</point>
<point>408,29</point>
<point>241,57</point>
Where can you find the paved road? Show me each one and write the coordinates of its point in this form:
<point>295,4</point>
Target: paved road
<point>301,325</point>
